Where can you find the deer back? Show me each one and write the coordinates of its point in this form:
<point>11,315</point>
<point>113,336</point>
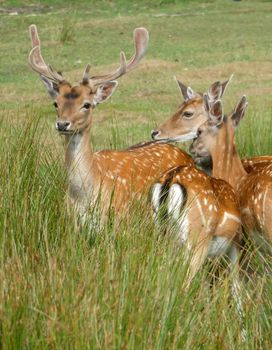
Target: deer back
<point>131,172</point>
<point>207,202</point>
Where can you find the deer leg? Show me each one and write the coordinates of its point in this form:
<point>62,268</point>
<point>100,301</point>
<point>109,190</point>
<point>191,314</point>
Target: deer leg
<point>234,257</point>
<point>196,255</point>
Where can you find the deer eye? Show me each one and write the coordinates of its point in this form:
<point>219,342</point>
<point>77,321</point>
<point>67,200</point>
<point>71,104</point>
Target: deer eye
<point>86,105</point>
<point>55,104</point>
<point>199,132</point>
<point>187,114</point>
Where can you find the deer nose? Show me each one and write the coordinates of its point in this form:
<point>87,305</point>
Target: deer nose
<point>154,133</point>
<point>62,125</point>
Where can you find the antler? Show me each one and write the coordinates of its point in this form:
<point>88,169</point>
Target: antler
<point>36,60</point>
<point>141,38</point>
<point>38,64</point>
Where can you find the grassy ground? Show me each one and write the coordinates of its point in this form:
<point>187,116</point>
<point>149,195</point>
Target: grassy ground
<point>123,288</point>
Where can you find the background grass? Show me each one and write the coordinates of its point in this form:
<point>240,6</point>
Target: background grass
<point>121,289</point>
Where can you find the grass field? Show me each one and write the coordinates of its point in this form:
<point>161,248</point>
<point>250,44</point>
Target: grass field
<point>122,288</point>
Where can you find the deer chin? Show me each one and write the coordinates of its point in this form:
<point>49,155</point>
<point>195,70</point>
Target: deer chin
<point>186,137</point>
<point>204,162</point>
<point>200,156</point>
<point>198,159</point>
<point>181,138</point>
<point>68,132</point>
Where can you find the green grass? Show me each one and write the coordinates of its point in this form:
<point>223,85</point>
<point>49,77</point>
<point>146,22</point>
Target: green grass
<point>122,288</point>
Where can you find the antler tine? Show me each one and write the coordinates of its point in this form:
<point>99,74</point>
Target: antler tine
<point>98,79</point>
<point>85,78</point>
<point>36,60</point>
<point>35,40</point>
<point>141,38</point>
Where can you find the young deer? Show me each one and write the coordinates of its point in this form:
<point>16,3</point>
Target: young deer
<point>183,125</point>
<point>254,190</point>
<point>116,177</point>
<point>204,211</point>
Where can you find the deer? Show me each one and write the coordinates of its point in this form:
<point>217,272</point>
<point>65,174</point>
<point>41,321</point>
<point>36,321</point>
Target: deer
<point>115,177</point>
<point>216,138</point>
<point>183,125</point>
<point>203,212</point>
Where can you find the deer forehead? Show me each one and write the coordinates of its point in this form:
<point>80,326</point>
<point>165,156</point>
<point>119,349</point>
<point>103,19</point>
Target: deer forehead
<point>192,104</point>
<point>72,94</point>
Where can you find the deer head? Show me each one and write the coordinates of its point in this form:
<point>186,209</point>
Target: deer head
<point>217,133</point>
<point>75,103</point>
<point>182,126</point>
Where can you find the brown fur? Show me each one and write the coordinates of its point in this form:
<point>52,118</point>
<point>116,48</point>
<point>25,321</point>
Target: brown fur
<point>210,210</point>
<point>177,126</point>
<point>254,190</point>
<point>118,176</point>
<point>256,163</point>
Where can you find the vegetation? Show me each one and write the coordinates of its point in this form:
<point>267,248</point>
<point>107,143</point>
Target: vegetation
<point>121,288</point>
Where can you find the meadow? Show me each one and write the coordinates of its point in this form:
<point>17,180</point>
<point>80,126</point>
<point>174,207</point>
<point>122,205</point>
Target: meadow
<point>121,287</point>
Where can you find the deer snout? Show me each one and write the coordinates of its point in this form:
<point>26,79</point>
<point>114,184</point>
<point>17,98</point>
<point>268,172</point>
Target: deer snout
<point>62,125</point>
<point>154,134</point>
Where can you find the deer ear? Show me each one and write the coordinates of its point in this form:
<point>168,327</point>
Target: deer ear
<point>239,111</point>
<point>104,91</point>
<point>216,112</point>
<point>206,103</point>
<point>190,93</point>
<point>52,87</point>
<point>217,89</point>
<point>182,88</point>
<point>225,84</point>
<point>186,91</point>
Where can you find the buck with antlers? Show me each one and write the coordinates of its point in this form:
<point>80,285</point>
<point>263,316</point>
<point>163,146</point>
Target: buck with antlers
<point>183,125</point>
<point>215,138</point>
<point>116,177</point>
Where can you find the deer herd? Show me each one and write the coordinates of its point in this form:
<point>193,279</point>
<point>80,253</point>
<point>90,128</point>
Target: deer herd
<point>208,199</point>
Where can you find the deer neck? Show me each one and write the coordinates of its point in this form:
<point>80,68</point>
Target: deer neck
<point>227,164</point>
<point>80,165</point>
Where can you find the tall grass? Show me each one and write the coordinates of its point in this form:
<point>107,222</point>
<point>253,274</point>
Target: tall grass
<point>121,289</point>
<point>68,30</point>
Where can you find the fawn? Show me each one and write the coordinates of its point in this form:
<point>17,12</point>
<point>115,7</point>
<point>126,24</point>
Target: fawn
<point>183,125</point>
<point>216,138</point>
